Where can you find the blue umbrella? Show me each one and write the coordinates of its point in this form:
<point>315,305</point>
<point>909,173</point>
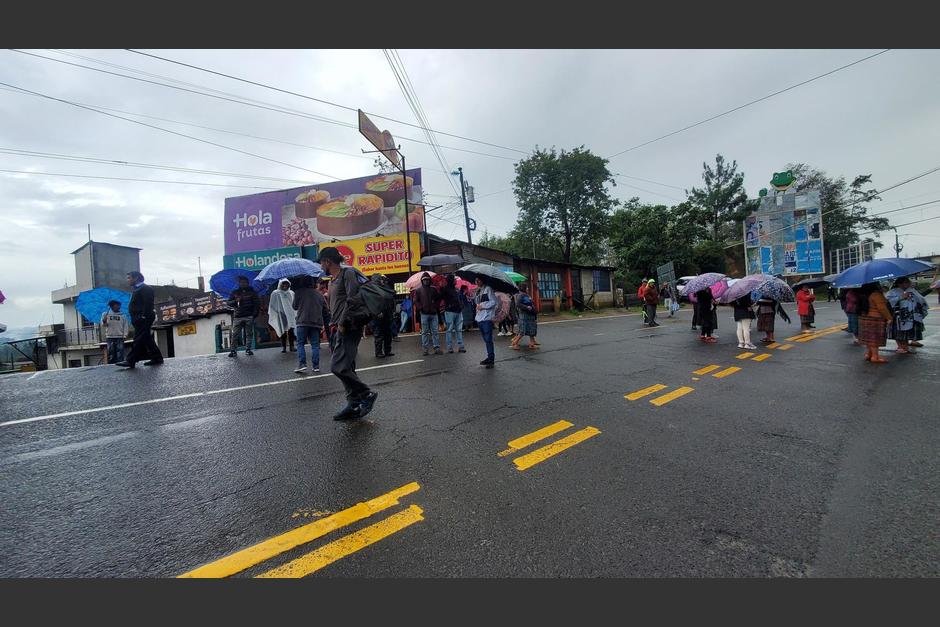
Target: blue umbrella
<point>93,303</point>
<point>880,270</point>
<point>225,282</point>
<point>293,266</point>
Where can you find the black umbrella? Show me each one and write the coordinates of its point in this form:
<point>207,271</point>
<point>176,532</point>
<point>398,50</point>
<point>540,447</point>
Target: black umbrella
<point>494,277</point>
<point>439,260</point>
<point>811,283</point>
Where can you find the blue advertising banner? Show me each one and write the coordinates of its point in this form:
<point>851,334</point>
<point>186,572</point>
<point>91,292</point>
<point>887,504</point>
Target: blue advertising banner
<point>784,236</point>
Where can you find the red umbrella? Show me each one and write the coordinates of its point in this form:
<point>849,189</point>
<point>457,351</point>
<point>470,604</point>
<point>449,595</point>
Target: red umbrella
<point>414,281</point>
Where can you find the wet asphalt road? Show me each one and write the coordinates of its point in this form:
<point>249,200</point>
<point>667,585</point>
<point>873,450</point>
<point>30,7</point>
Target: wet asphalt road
<point>808,463</point>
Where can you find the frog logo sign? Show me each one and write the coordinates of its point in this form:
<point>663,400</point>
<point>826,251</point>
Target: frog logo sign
<point>782,181</point>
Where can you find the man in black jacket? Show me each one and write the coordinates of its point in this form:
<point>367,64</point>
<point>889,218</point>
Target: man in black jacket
<point>247,305</point>
<point>142,317</point>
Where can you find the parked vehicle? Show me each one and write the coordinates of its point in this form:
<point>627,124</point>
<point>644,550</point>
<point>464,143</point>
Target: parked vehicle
<point>680,287</point>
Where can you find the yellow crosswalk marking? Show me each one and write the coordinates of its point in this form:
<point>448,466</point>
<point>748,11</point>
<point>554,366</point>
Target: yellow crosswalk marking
<point>785,347</point>
<point>659,401</point>
<point>645,392</point>
<point>724,373</point>
<point>531,438</point>
<point>745,355</point>
<point>338,549</point>
<point>706,369</point>
<point>773,345</point>
<point>246,558</point>
<point>550,450</point>
<point>762,357</point>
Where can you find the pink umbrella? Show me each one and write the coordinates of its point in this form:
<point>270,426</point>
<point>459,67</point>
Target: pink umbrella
<point>414,281</point>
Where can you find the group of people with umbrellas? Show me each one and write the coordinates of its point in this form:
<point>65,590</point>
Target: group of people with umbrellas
<point>873,315</point>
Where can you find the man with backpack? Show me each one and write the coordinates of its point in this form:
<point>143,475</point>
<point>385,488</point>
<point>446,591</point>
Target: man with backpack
<point>347,319</point>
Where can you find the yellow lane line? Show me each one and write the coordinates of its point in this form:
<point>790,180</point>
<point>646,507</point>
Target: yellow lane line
<point>814,336</point>
<point>724,373</point>
<point>659,401</point>
<point>762,357</point>
<point>246,558</point>
<point>773,345</point>
<point>745,355</point>
<point>535,436</point>
<point>706,369</point>
<point>645,391</point>
<point>816,332</point>
<point>785,347</point>
<point>338,549</point>
<point>550,450</point>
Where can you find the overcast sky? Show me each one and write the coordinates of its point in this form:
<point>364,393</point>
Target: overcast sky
<point>880,117</point>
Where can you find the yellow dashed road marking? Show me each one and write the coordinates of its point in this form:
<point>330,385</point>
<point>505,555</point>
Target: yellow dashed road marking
<point>745,355</point>
<point>531,438</point>
<point>666,398</point>
<point>645,392</point>
<point>724,373</point>
<point>550,450</point>
<point>762,357</point>
<point>706,369</point>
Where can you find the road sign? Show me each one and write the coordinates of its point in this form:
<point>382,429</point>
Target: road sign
<point>382,140</point>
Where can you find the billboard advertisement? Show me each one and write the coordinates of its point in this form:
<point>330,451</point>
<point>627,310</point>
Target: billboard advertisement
<point>784,236</point>
<point>258,259</point>
<point>355,209</point>
<point>386,255</point>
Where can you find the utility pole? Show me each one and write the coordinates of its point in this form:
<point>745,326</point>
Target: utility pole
<point>897,244</point>
<point>463,195</point>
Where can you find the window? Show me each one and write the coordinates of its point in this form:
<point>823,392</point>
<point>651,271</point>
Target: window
<point>601,281</point>
<point>549,284</point>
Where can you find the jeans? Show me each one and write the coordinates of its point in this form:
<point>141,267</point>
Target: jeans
<point>404,322</point>
<point>429,333</point>
<point>308,334</point>
<point>343,364</point>
<point>744,331</point>
<point>243,328</point>
<point>454,329</point>
<point>486,330</point>
<point>115,349</point>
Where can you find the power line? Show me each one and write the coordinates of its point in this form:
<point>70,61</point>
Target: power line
<point>652,192</point>
<point>247,102</point>
<point>627,176</point>
<point>334,104</point>
<point>135,164</point>
<point>118,178</point>
<point>748,104</point>
<point>905,224</point>
<point>166,130</point>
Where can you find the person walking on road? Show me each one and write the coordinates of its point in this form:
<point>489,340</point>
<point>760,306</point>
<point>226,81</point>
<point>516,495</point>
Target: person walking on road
<point>281,315</point>
<point>767,310</point>
<point>346,334</point>
<point>705,315</point>
<point>743,314</point>
<point>310,308</point>
<point>651,301</point>
<point>804,307</point>
<point>669,298</point>
<point>873,318</point>
<point>508,324</point>
<point>453,316</point>
<point>114,324</point>
<point>528,320</point>
<point>486,304</point>
<point>382,325</point>
<point>142,317</point>
<point>246,304</point>
<point>427,303</point>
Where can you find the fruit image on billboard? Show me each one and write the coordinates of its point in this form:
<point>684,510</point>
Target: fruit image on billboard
<point>370,206</point>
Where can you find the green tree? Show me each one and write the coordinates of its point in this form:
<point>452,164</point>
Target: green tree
<point>722,202</point>
<point>642,237</point>
<point>843,205</point>
<point>709,256</point>
<point>520,245</point>
<point>563,201</point>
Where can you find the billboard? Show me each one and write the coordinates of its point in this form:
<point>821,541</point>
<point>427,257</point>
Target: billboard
<point>784,236</point>
<point>258,259</point>
<point>354,209</point>
<point>386,255</point>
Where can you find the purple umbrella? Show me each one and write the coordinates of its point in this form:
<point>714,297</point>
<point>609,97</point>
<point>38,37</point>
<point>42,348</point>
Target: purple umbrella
<point>709,280</point>
<point>758,286</point>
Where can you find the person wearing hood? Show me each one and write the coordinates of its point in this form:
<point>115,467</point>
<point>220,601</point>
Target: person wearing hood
<point>453,316</point>
<point>427,304</point>
<point>651,301</point>
<point>246,305</point>
<point>311,311</point>
<point>281,314</point>
<point>382,325</point>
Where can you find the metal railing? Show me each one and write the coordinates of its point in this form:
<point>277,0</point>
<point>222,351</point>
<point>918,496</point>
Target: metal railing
<point>84,336</point>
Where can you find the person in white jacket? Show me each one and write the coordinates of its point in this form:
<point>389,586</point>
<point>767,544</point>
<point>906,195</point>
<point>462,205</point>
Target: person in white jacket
<point>281,314</point>
<point>114,324</point>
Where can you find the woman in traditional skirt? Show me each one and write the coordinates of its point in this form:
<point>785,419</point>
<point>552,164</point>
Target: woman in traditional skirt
<point>873,319</point>
<point>767,310</point>
<point>528,321</point>
<point>920,312</point>
<point>804,307</point>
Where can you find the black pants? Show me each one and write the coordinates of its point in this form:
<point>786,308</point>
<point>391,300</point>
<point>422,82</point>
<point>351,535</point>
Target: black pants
<point>343,363</point>
<point>382,334</point>
<point>144,347</point>
<point>651,314</point>
<point>290,336</point>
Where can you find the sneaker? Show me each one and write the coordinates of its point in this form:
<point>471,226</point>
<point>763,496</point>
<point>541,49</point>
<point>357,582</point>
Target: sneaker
<point>283,350</point>
<point>350,412</point>
<point>487,362</point>
<point>450,351</point>
<point>233,354</point>
<point>750,347</point>
<point>316,368</point>
<point>153,362</point>
<point>249,352</point>
<point>365,405</point>
<point>300,369</point>
<point>389,354</point>
<point>461,350</point>
<point>740,345</point>
<point>425,353</point>
<point>438,351</point>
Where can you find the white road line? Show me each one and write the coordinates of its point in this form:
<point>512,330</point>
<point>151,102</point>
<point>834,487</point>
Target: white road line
<point>65,448</point>
<point>95,410</point>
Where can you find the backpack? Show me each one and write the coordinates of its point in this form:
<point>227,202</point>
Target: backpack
<point>373,302</point>
<point>502,308</point>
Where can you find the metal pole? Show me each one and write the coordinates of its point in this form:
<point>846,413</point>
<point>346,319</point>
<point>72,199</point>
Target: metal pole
<point>404,184</point>
<point>463,195</point>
